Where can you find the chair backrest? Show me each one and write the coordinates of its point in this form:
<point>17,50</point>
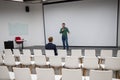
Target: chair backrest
<point>7,51</point>
<point>25,60</point>
<point>118,53</point>
<point>9,60</point>
<point>90,53</point>
<point>90,63</point>
<point>22,73</point>
<point>71,74</point>
<point>27,52</point>
<point>100,75</point>
<point>106,53</point>
<point>49,53</point>
<point>62,53</point>
<point>72,62</point>
<point>40,60</point>
<point>76,52</point>
<point>4,73</point>
<point>16,52</point>
<point>55,61</point>
<point>112,63</point>
<point>17,38</point>
<point>1,59</point>
<point>45,74</point>
<point>37,52</point>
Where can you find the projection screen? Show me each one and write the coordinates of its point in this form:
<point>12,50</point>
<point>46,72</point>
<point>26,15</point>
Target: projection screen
<point>90,22</point>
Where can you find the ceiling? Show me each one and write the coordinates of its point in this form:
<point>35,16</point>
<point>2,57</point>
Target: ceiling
<point>43,1</point>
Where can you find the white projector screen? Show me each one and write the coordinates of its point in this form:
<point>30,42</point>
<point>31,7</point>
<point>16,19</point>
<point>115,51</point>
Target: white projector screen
<point>90,22</point>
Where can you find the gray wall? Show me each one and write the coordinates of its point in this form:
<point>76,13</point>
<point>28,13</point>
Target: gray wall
<point>14,13</point>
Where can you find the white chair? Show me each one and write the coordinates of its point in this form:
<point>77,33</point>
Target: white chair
<point>9,60</point>
<point>90,63</point>
<point>40,61</point>
<point>100,75</point>
<point>17,54</point>
<point>37,52</point>
<point>118,53</point>
<point>76,53</point>
<point>4,73</point>
<point>56,63</point>
<point>62,53</point>
<point>22,73</point>
<point>90,53</point>
<point>49,53</point>
<point>105,54</point>
<point>45,74</point>
<point>71,74</point>
<point>7,51</point>
<point>72,62</point>
<point>112,63</point>
<point>25,60</point>
<point>27,52</point>
<point>1,59</point>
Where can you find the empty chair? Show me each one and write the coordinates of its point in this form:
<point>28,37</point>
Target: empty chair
<point>7,51</point>
<point>4,73</point>
<point>71,74</point>
<point>9,60</point>
<point>37,52</point>
<point>22,73</point>
<point>19,41</point>
<point>49,53</point>
<point>45,74</point>
<point>72,62</point>
<point>90,63</point>
<point>62,53</point>
<point>118,53</point>
<point>112,63</point>
<point>100,75</point>
<point>25,60</point>
<point>17,54</point>
<point>76,53</point>
<point>40,61</point>
<point>90,53</point>
<point>56,63</point>
<point>105,53</point>
<point>1,59</point>
<point>27,52</point>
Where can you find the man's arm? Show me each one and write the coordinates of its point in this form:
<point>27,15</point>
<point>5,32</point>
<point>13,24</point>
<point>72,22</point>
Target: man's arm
<point>55,50</point>
<point>61,30</point>
<point>68,30</point>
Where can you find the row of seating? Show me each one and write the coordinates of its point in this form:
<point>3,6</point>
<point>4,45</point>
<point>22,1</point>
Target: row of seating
<point>62,53</point>
<point>48,74</point>
<point>111,63</point>
<point>89,61</point>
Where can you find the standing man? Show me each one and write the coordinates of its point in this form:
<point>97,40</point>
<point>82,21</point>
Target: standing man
<point>64,31</point>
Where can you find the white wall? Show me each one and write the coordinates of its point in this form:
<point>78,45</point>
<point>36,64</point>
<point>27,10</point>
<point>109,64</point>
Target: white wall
<point>91,22</point>
<point>119,27</point>
<point>12,12</point>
